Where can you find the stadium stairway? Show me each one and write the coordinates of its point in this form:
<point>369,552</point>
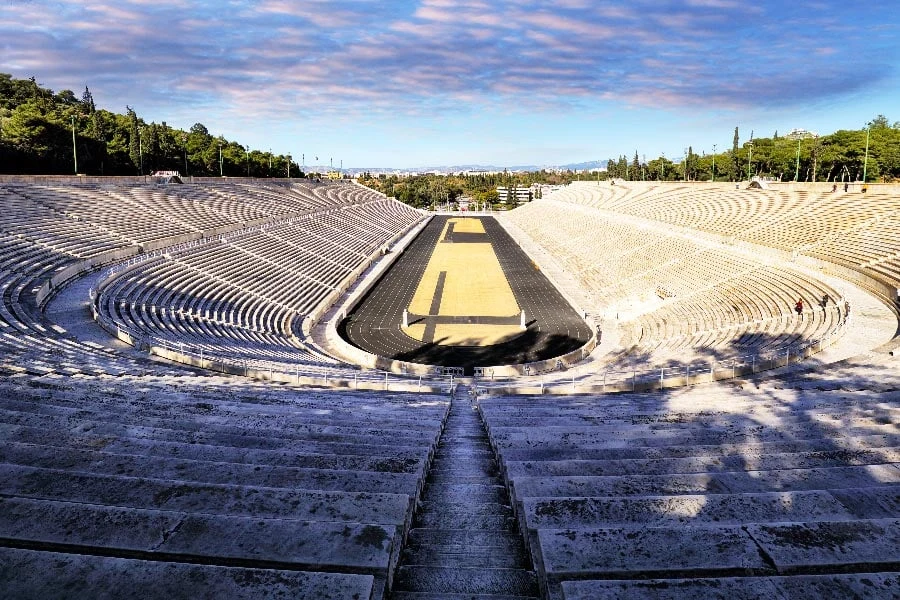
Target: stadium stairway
<point>464,542</point>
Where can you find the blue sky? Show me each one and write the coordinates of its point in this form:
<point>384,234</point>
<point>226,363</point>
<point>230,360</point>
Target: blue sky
<point>437,82</point>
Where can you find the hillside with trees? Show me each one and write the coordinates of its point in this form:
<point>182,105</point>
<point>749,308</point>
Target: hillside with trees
<point>840,156</point>
<point>44,132</point>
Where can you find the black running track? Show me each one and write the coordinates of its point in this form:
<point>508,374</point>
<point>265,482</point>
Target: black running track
<point>554,328</point>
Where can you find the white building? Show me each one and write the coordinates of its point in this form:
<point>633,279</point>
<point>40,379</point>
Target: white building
<point>521,195</point>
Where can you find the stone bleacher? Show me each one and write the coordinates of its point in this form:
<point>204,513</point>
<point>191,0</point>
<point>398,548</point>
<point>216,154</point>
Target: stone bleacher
<point>126,476</point>
<point>850,228</point>
<point>743,494</point>
<point>681,294</point>
<point>242,297</point>
<point>219,487</point>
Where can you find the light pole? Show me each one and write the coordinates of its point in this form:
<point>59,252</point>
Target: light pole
<point>74,147</point>
<point>141,148</point>
<point>221,168</point>
<point>797,168</point>
<point>270,162</point>
<point>714,162</point>
<point>247,158</point>
<point>289,166</point>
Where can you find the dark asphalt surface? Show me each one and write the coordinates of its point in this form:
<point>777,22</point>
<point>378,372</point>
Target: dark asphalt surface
<point>554,328</point>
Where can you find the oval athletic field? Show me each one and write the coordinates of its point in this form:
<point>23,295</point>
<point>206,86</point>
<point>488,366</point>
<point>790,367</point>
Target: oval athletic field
<point>464,282</point>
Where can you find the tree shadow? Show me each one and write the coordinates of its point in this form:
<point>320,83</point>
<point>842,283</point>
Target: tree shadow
<point>759,476</point>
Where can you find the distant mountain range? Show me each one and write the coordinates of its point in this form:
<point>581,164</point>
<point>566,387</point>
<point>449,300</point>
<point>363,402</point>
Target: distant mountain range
<point>593,164</point>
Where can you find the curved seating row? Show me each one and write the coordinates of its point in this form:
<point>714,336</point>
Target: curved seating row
<point>854,229</point>
<point>239,297</point>
<point>662,496</point>
<point>683,293</point>
<point>219,480</point>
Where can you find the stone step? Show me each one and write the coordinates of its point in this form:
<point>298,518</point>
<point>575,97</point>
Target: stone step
<point>38,575</point>
<point>464,520</point>
<point>640,407</point>
<point>103,435</point>
<point>438,556</point>
<point>236,399</point>
<point>463,543</point>
<point>703,464</point>
<point>465,580</point>
<point>465,508</point>
<point>580,417</point>
<point>773,507</point>
<point>451,478</point>
<point>461,456</point>
<point>445,596</point>
<point>718,551</point>
<point>99,463</point>
<point>592,438</point>
<point>467,492</point>
<point>173,429</point>
<point>408,461</point>
<point>800,587</point>
<point>541,453</point>
<point>182,537</point>
<point>155,494</point>
<point>713,483</point>
<point>458,540</point>
<point>210,416</point>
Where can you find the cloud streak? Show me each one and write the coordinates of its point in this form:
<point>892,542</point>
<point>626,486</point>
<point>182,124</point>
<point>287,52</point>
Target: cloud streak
<point>363,57</point>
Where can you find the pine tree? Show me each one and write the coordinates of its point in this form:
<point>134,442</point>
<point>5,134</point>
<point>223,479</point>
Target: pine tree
<point>134,148</point>
<point>87,102</point>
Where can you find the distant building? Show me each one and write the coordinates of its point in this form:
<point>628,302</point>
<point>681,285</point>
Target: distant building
<point>520,195</point>
<point>800,134</point>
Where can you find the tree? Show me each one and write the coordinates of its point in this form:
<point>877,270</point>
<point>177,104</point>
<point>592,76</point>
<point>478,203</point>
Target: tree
<point>87,102</point>
<point>879,122</point>
<point>134,142</point>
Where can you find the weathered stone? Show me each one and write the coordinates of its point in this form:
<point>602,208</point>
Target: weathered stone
<point>185,470</point>
<point>867,545</point>
<point>310,505</point>
<point>33,575</point>
<point>313,545</point>
<point>734,588</point>
<point>542,513</point>
<point>468,580</point>
<point>648,552</point>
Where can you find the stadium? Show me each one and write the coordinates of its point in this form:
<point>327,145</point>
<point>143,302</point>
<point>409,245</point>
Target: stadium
<point>274,388</point>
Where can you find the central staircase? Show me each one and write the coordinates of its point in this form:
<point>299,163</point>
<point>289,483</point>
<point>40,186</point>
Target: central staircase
<point>464,542</point>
